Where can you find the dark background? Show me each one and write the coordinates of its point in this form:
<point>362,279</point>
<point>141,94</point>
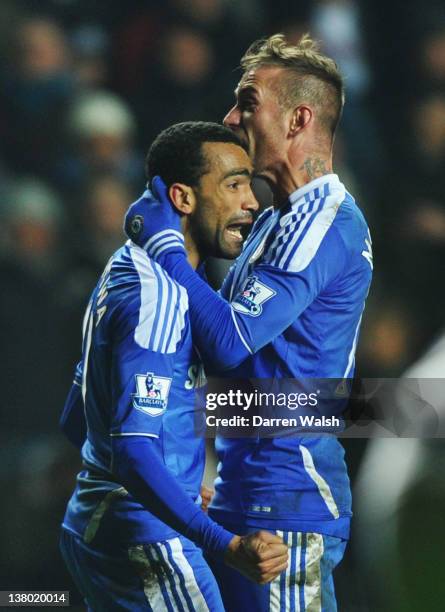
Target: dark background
<point>85,85</point>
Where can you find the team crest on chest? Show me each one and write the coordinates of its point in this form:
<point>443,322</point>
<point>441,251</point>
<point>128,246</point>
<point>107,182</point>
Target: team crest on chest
<point>151,393</point>
<point>252,296</point>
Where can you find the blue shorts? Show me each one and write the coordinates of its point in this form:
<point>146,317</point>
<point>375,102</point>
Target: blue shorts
<point>165,576</point>
<point>306,586</point>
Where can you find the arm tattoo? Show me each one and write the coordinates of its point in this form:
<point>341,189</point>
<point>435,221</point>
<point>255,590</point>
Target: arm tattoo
<point>314,166</point>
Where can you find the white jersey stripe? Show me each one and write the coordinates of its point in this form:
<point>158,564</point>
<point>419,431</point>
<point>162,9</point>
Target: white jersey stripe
<point>170,309</point>
<point>323,487</point>
<point>308,247</point>
<point>165,243</point>
<point>353,348</point>
<point>306,221</point>
<point>86,354</point>
<point>157,238</point>
<point>136,433</point>
<point>313,220</point>
<point>288,225</point>
<point>239,331</point>
<point>162,300</point>
<point>163,306</point>
<point>102,507</point>
<point>304,217</point>
<point>178,320</point>
<point>149,296</point>
<point>86,317</point>
<point>174,332</point>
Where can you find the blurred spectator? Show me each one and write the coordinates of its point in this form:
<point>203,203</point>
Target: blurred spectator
<point>38,474</point>
<point>187,57</point>
<point>339,25</point>
<point>433,58</point>
<point>90,46</point>
<point>180,86</point>
<point>35,88</point>
<point>102,129</point>
<point>106,200</point>
<point>215,19</point>
<point>206,12</point>
<point>33,215</point>
<point>413,232</point>
<point>389,339</point>
<point>280,13</point>
<point>35,374</point>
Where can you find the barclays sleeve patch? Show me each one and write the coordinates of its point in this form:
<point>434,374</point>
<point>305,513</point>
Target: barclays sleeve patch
<point>252,296</point>
<point>151,393</point>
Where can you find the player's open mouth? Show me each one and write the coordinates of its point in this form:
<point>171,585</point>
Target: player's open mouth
<point>238,230</point>
<point>235,232</point>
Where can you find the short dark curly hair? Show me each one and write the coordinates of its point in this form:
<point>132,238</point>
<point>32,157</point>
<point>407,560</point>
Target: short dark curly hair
<point>176,154</point>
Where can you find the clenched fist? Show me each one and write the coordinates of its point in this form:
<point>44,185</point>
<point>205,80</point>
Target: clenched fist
<point>260,556</point>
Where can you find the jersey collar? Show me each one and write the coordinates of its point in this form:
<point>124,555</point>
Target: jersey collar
<point>320,187</point>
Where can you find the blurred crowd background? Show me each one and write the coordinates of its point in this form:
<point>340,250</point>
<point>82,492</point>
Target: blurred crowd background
<point>84,88</point>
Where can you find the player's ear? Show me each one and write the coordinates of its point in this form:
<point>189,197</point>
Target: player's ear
<point>301,116</point>
<point>183,198</point>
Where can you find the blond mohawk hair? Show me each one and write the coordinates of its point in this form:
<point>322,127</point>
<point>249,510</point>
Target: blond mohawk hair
<point>312,77</point>
<point>276,48</point>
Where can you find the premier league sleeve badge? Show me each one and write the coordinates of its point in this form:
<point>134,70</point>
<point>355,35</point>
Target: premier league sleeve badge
<point>252,296</point>
<point>151,393</point>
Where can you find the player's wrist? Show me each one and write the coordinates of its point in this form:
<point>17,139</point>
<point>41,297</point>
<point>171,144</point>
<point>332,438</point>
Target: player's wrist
<point>232,547</point>
<point>164,245</point>
<point>174,261</point>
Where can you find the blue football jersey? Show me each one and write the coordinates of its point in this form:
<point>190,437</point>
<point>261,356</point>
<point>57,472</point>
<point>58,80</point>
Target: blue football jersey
<point>137,374</point>
<point>297,294</point>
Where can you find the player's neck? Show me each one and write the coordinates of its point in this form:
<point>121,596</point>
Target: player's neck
<point>299,171</point>
<point>193,256</point>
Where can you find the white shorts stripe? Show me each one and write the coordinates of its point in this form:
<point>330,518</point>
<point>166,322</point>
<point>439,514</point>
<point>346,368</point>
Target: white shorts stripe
<point>274,593</point>
<point>287,574</point>
<point>150,581</point>
<point>172,596</point>
<point>297,577</point>
<point>312,583</point>
<point>175,578</point>
<point>159,571</point>
<point>192,587</point>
